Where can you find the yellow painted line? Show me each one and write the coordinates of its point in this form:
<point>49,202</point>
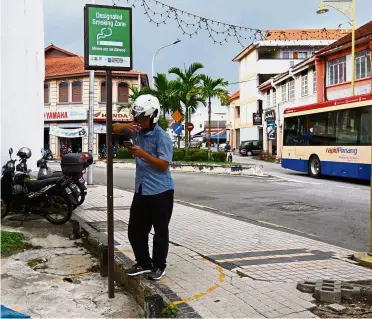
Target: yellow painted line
<point>70,276</point>
<point>221,278</point>
<point>264,257</point>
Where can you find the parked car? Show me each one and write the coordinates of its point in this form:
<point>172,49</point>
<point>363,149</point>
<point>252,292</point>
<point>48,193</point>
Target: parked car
<point>249,148</point>
<point>194,144</point>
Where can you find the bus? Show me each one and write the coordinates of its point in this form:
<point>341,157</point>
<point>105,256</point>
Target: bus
<point>330,138</point>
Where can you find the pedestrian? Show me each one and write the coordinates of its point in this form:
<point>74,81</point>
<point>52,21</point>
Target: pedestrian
<point>154,189</point>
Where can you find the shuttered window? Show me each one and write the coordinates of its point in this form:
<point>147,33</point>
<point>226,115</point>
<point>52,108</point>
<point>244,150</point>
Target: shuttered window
<point>123,92</point>
<point>63,92</point>
<point>103,92</point>
<point>77,91</point>
<point>46,93</point>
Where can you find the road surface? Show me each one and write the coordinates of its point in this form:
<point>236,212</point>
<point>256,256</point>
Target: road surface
<point>334,211</point>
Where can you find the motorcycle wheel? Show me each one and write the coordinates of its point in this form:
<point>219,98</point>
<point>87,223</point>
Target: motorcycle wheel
<point>63,207</point>
<point>4,208</point>
<point>82,197</point>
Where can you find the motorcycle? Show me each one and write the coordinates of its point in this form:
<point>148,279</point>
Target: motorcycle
<point>50,198</point>
<point>47,154</point>
<point>78,186</point>
<point>102,153</point>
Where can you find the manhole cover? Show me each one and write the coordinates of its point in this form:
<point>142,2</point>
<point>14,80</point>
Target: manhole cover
<point>119,225</point>
<point>295,206</point>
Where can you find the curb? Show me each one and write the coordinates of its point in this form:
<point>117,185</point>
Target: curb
<point>151,296</point>
<point>217,169</point>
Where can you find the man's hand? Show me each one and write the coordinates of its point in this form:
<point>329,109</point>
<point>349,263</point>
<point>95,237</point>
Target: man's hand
<point>117,128</point>
<point>137,151</point>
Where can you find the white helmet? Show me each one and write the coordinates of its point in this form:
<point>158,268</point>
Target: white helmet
<point>146,105</point>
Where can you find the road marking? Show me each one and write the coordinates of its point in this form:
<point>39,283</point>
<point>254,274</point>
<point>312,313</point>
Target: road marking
<point>350,187</point>
<point>254,220</point>
<point>264,257</point>
<point>221,279</point>
<point>70,276</point>
<point>296,180</point>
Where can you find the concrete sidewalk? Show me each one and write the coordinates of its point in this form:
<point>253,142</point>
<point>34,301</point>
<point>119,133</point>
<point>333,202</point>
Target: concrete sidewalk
<point>219,266</point>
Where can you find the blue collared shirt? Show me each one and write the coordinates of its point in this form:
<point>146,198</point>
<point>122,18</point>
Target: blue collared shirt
<point>158,144</point>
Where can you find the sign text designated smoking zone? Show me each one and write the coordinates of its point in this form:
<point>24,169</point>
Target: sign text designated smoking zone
<point>108,37</point>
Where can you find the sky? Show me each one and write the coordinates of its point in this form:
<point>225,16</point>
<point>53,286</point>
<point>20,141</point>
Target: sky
<point>63,21</point>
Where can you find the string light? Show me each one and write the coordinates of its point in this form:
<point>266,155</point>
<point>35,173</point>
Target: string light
<point>219,32</point>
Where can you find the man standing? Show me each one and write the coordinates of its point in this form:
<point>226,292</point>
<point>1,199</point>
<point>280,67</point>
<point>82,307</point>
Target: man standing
<point>154,190</point>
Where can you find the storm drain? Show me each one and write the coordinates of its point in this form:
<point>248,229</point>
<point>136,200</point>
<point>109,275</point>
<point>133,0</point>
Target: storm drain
<point>294,206</point>
<point>119,225</point>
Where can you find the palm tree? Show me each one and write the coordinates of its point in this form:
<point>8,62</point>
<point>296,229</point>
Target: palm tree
<point>186,88</point>
<point>213,89</point>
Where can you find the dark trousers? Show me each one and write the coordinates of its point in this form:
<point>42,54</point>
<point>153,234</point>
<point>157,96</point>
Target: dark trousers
<point>147,211</point>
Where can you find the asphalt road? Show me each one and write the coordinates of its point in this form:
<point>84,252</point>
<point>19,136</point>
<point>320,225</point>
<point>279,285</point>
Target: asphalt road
<point>333,211</point>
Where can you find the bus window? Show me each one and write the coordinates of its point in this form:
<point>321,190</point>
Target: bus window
<point>348,127</point>
<point>365,126</point>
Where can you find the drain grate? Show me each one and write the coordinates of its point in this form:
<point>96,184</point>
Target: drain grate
<point>119,225</point>
<point>294,206</point>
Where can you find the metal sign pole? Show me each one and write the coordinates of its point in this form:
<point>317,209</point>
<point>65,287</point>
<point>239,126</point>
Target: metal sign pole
<point>110,185</point>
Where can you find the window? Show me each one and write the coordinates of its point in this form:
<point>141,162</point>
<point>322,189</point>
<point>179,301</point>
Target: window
<point>274,97</point>
<point>46,93</point>
<point>63,92</point>
<point>337,71</point>
<point>123,92</point>
<point>362,65</point>
<point>302,55</point>
<point>284,92</point>
<point>103,92</point>
<point>304,85</point>
<point>286,55</point>
<point>77,91</point>
<point>268,97</point>
<point>348,124</point>
<point>200,125</point>
<point>344,127</point>
<point>314,81</point>
<point>291,90</point>
<point>237,112</point>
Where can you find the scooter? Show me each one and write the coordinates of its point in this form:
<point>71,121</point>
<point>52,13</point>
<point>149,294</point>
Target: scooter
<point>50,198</point>
<point>77,177</point>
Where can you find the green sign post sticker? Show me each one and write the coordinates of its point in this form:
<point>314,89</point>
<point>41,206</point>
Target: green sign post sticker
<point>108,37</point>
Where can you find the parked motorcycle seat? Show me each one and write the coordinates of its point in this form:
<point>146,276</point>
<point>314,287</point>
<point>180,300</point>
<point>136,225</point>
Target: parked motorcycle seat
<point>54,174</point>
<point>35,185</point>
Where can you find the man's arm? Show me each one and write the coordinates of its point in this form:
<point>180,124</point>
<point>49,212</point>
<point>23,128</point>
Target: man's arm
<point>155,162</point>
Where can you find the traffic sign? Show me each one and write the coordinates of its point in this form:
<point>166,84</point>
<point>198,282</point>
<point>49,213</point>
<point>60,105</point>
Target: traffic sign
<point>177,128</point>
<point>177,116</point>
<point>108,38</point>
<point>190,126</point>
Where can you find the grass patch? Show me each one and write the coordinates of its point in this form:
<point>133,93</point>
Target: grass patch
<point>170,311</point>
<point>12,242</point>
<point>38,263</point>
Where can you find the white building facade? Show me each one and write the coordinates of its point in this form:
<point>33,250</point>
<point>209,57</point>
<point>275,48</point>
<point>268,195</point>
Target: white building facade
<point>261,61</point>
<point>22,77</point>
<point>295,87</point>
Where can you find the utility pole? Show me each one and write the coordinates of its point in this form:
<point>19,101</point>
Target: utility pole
<point>90,122</point>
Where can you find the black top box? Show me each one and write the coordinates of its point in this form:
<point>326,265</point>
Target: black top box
<point>75,162</point>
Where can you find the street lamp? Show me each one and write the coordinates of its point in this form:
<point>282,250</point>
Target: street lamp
<point>347,8</point>
<point>153,59</point>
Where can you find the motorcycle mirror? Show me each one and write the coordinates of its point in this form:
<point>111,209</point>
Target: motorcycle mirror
<point>10,151</point>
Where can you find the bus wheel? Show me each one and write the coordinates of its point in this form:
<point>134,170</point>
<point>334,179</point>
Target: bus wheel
<point>314,167</point>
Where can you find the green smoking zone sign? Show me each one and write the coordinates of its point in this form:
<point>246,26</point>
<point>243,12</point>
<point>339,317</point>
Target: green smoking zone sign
<point>108,38</point>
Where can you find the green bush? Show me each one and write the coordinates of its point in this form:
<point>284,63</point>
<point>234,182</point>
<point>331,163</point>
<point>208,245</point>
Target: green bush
<point>123,153</point>
<point>178,154</point>
<point>219,157</point>
<point>198,155</point>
